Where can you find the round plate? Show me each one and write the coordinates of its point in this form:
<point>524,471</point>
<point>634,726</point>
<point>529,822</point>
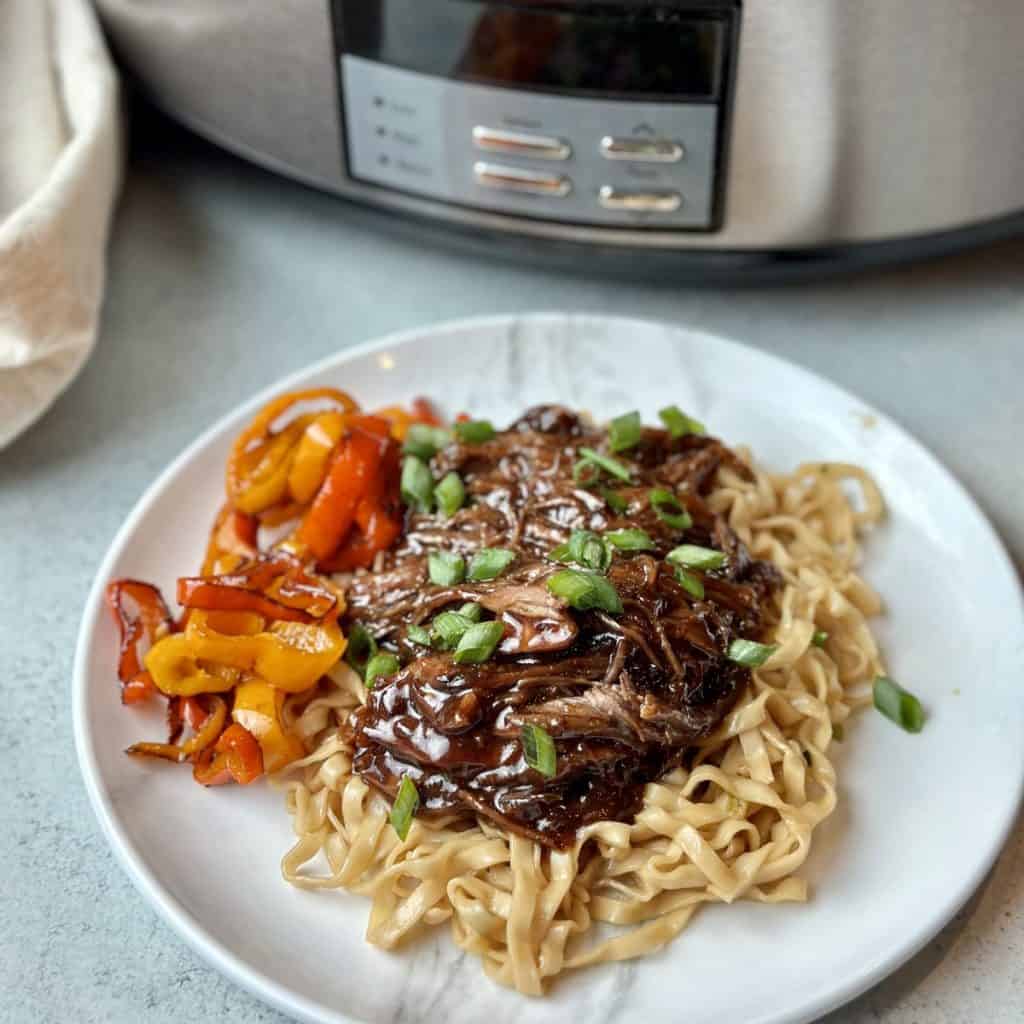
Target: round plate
<point>920,819</point>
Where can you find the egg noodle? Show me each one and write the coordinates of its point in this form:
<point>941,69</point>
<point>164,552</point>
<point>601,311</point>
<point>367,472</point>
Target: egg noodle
<point>735,822</point>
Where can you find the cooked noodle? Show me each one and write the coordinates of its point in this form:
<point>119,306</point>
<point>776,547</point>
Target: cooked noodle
<point>735,824</point>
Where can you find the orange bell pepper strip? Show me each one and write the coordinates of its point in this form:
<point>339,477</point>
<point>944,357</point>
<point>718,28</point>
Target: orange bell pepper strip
<point>142,617</point>
<point>274,586</point>
<point>291,656</point>
<point>261,459</point>
<point>378,517</point>
<point>236,756</point>
<point>258,707</point>
<point>351,473</point>
<point>207,724</point>
<point>309,467</point>
<point>234,534</point>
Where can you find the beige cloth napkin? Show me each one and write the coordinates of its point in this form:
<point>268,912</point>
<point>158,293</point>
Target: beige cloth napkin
<point>60,158</point>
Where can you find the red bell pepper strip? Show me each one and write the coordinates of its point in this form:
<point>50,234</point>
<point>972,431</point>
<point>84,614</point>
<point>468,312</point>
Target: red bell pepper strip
<point>142,617</point>
<point>236,756</point>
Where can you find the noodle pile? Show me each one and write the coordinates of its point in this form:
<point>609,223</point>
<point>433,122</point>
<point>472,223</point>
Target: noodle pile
<point>737,823</point>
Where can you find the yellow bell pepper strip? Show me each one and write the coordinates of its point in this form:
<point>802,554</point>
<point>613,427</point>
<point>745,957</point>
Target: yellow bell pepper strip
<point>207,722</point>
<point>258,708</point>
<point>236,756</point>
<point>291,656</point>
<point>177,672</point>
<point>309,467</point>
<point>261,459</point>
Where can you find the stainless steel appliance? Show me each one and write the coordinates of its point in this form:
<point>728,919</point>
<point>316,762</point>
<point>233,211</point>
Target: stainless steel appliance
<point>707,136</point>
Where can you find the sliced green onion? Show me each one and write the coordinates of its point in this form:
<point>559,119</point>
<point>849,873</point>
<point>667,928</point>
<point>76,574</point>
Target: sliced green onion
<point>478,642</point>
<point>425,441</point>
<point>449,494</point>
<point>819,638</point>
<point>539,750</point>
<point>694,557</point>
<point>669,510</point>
<point>474,431</point>
<point>897,704</point>
<point>585,590</point>
<point>624,432</point>
<point>403,810</point>
<point>472,611</point>
<point>585,548</point>
<point>446,568</point>
<point>838,732</point>
<point>630,540</point>
<point>417,484</point>
<point>616,502</point>
<point>678,423</point>
<point>690,582</point>
<point>361,647</point>
<point>490,563</point>
<point>611,466</point>
<point>418,635</point>
<point>448,629</point>
<point>750,653</point>
<point>381,664</point>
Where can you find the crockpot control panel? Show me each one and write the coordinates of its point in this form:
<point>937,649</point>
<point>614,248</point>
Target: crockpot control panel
<point>610,114</point>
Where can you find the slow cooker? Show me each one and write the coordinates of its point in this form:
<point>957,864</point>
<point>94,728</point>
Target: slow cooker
<point>705,136</point>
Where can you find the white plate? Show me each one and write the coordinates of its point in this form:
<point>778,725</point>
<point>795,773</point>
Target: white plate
<point>920,819</point>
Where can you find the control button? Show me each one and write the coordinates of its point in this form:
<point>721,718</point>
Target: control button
<point>515,179</point>
<point>655,151</point>
<point>541,147</point>
<point>639,201</point>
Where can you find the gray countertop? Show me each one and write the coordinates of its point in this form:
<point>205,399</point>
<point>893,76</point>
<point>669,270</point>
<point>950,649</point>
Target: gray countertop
<point>222,279</point>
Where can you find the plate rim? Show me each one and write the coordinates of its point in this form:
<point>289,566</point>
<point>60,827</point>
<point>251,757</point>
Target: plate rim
<point>292,1002</point>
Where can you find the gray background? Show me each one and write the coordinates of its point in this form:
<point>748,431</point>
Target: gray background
<point>222,279</point>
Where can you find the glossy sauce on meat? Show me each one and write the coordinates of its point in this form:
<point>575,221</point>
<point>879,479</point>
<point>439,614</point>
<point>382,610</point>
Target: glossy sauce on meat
<point>623,697</point>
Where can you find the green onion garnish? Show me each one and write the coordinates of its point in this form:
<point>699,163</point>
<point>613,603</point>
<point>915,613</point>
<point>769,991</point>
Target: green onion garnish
<point>586,548</point>
<point>478,642</point>
<point>630,540</point>
<point>472,611</point>
<point>678,423</point>
<point>616,502</point>
<point>539,750</point>
<point>838,732</point>
<point>624,432</point>
<point>425,441</point>
<point>750,653</point>
<point>446,568</point>
<point>585,590</point>
<point>691,583</point>
<point>474,432</point>
<point>669,510</point>
<point>693,557</point>
<point>490,563</point>
<point>403,810</point>
<point>418,635</point>
<point>381,664</point>
<point>448,629</point>
<point>897,704</point>
<point>449,494</point>
<point>588,457</point>
<point>819,638</point>
<point>361,647</point>
<point>417,483</point>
